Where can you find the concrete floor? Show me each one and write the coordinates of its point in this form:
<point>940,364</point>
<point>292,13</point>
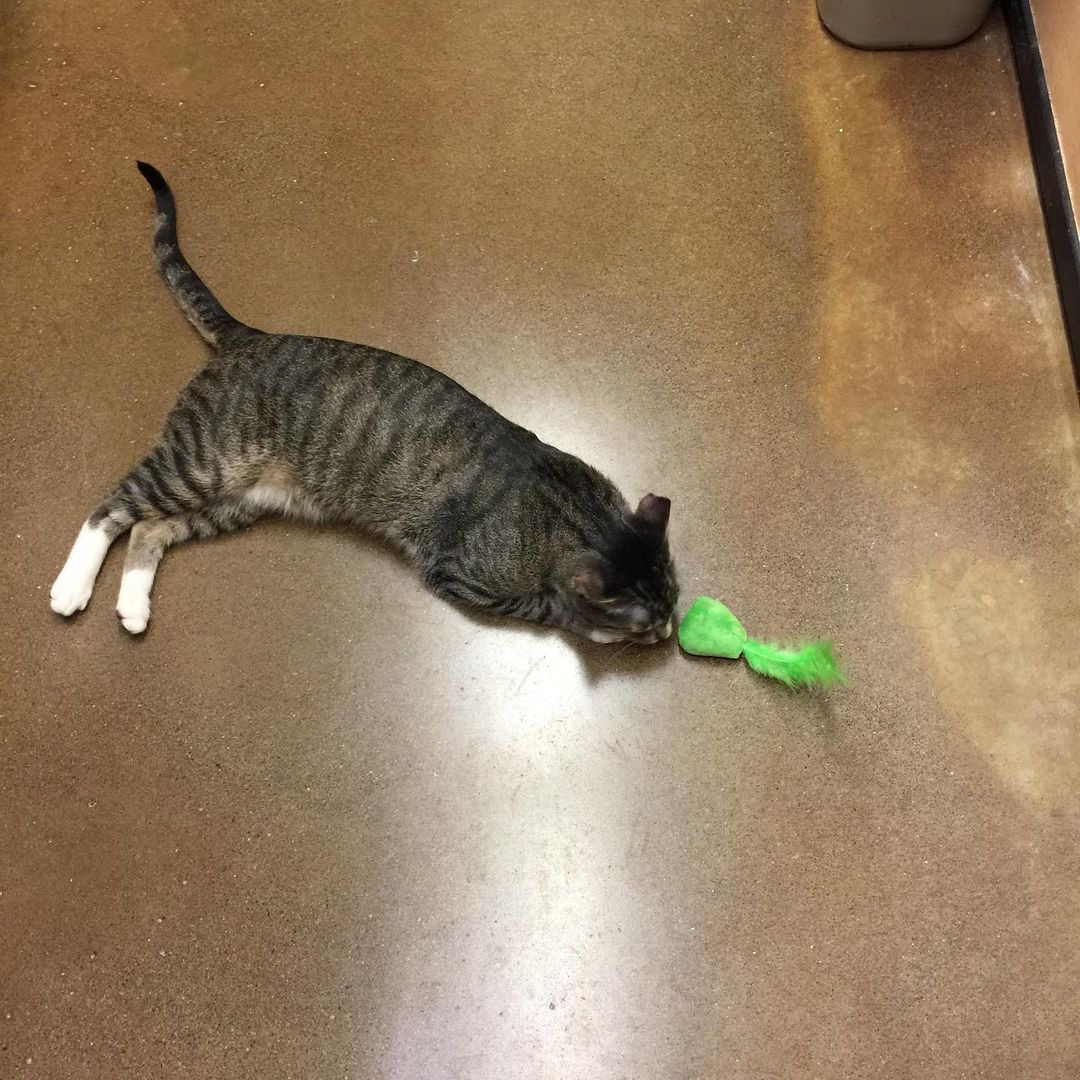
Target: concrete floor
<point>319,825</point>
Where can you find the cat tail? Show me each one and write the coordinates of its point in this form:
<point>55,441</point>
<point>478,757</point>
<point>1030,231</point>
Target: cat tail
<point>202,309</point>
<point>812,664</point>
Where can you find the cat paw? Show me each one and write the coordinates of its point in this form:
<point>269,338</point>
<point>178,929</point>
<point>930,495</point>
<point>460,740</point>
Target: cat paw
<point>133,614</point>
<point>69,595</point>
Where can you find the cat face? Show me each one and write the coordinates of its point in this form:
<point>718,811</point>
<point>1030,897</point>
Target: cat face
<point>628,590</point>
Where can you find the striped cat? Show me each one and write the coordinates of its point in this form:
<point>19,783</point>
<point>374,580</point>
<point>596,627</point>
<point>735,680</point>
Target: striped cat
<point>331,431</point>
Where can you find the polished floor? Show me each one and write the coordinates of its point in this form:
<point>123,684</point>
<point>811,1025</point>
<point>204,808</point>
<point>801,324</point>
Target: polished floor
<point>317,824</point>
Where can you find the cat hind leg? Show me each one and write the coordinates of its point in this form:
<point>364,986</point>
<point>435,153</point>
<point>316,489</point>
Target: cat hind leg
<point>146,546</point>
<point>74,584</point>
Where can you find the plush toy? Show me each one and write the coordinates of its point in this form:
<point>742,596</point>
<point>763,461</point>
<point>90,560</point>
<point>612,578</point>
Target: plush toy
<point>709,629</point>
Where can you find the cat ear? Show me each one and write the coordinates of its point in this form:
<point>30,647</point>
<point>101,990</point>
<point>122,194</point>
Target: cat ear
<point>589,583</point>
<point>654,511</point>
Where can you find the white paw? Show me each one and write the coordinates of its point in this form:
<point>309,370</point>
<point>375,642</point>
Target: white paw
<point>133,622</point>
<point>70,593</point>
<point>606,637</point>
<point>72,588</point>
<point>133,603</point>
<point>133,613</point>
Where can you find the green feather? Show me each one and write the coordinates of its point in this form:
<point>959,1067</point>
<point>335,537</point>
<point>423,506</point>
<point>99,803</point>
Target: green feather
<point>811,664</point>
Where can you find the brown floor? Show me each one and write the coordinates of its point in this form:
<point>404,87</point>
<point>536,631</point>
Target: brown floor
<point>317,824</point>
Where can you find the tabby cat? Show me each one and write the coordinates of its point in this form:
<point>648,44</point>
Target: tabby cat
<point>331,431</point>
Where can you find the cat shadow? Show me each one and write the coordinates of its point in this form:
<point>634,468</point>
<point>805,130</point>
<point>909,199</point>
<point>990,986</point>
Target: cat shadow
<point>629,660</point>
<point>597,661</point>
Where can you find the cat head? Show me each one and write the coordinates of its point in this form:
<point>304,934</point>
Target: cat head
<point>627,590</point>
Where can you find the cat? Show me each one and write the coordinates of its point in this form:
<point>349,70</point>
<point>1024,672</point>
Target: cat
<point>330,431</point>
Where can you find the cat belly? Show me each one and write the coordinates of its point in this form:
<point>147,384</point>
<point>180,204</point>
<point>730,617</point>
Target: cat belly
<point>269,498</point>
<point>276,491</point>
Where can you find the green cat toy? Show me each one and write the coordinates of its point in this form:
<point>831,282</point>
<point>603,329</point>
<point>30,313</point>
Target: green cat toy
<point>709,629</point>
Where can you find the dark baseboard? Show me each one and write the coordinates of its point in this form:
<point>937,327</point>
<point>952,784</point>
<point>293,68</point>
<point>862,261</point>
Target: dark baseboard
<point>1049,171</point>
